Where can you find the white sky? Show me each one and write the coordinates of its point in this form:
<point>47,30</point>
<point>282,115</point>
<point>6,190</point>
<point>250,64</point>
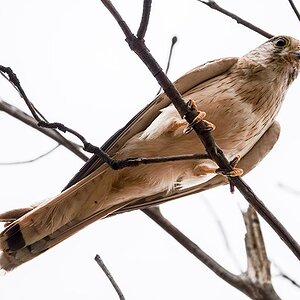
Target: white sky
<point>75,66</point>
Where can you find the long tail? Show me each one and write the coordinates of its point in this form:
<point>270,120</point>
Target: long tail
<point>57,219</point>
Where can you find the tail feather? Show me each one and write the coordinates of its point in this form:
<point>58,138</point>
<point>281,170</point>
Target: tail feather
<point>10,259</point>
<point>53,221</point>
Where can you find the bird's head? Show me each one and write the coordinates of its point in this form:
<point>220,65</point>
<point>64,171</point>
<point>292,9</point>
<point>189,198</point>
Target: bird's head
<point>279,48</point>
<point>279,53</point>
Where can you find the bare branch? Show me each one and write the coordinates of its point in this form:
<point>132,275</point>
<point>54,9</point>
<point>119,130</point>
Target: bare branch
<point>173,42</point>
<point>285,276</point>
<point>186,112</point>
<point>214,5</point>
<point>294,9</point>
<point>267,215</point>
<point>145,19</point>
<point>155,214</point>
<point>258,269</point>
<point>258,263</point>
<point>30,160</point>
<point>109,276</point>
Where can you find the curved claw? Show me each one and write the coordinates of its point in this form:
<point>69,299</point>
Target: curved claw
<point>200,117</point>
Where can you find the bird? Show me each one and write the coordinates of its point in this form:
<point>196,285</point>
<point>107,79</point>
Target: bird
<point>239,98</point>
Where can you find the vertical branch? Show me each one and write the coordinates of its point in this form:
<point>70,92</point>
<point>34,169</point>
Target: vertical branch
<point>258,262</point>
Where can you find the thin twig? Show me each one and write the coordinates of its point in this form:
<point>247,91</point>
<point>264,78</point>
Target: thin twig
<point>109,276</point>
<point>186,112</point>
<point>285,276</point>
<point>133,162</point>
<point>173,42</point>
<point>145,19</point>
<point>214,5</point>
<point>13,79</point>
<point>30,160</point>
<point>294,9</point>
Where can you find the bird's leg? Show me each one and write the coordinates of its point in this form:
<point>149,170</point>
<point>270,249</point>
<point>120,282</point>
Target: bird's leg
<point>200,117</point>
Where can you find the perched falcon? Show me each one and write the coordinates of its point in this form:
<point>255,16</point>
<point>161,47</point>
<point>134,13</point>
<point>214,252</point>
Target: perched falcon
<point>240,96</point>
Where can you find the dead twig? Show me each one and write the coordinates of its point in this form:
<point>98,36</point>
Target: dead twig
<point>29,160</point>
<point>173,42</point>
<point>294,9</point>
<point>101,264</point>
<point>258,268</point>
<point>239,20</point>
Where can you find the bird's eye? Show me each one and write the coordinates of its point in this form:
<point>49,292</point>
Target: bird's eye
<point>281,42</point>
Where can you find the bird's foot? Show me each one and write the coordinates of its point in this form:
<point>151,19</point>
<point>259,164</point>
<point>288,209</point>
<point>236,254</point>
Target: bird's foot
<point>200,117</point>
<point>234,172</point>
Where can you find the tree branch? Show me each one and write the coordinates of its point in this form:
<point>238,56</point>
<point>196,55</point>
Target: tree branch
<point>235,280</point>
<point>258,269</point>
<point>173,42</point>
<point>294,9</point>
<point>212,4</point>
<point>109,276</point>
<point>10,163</point>
<point>145,19</point>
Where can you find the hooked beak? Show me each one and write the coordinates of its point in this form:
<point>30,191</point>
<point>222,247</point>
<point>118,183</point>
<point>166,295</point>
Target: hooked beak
<point>296,53</point>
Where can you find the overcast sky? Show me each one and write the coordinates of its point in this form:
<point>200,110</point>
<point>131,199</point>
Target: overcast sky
<point>75,66</point>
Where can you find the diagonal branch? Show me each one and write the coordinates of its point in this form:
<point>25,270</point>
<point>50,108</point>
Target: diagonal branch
<point>215,153</point>
<point>212,4</point>
<point>101,264</point>
<point>235,280</point>
<point>294,9</point>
